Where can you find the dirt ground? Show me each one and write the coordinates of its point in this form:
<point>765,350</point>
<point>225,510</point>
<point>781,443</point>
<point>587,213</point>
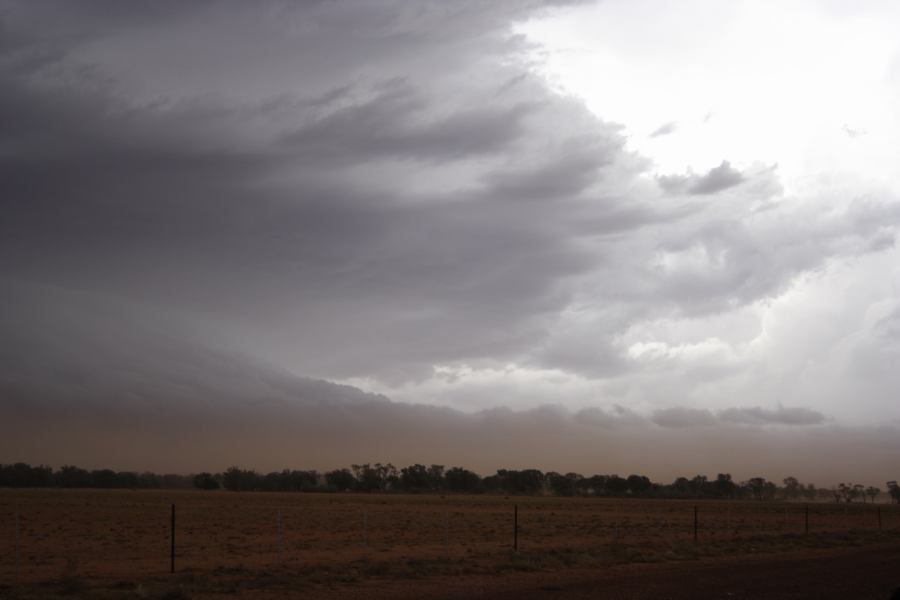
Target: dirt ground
<point>116,544</point>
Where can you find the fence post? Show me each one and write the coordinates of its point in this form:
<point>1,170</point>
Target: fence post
<point>515,527</point>
<point>879,518</point>
<point>172,553</point>
<point>696,523</point>
<point>365,516</point>
<point>806,520</point>
<point>280,538</point>
<point>18,547</point>
<point>447,533</point>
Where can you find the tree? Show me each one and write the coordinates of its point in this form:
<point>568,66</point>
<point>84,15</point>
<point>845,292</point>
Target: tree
<point>639,485</point>
<point>462,480</point>
<point>527,481</point>
<point>374,478</point>
<point>206,481</point>
<point>236,479</point>
<point>595,485</point>
<point>760,488</point>
<point>872,492</point>
<point>848,492</point>
<point>415,478</point>
<point>436,477</point>
<point>698,486</point>
<point>724,486</point>
<point>792,488</point>
<point>616,486</point>
<point>340,480</point>
<point>894,491</point>
<point>563,485</point>
<point>69,476</point>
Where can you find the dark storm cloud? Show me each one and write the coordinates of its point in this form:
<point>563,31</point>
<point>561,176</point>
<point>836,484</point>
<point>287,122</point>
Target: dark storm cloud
<point>180,202</point>
<point>363,189</point>
<point>386,127</point>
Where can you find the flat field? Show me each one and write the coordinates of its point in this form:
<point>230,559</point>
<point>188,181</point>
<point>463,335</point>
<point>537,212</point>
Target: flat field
<point>268,544</point>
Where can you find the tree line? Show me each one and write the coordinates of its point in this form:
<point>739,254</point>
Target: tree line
<point>386,478</point>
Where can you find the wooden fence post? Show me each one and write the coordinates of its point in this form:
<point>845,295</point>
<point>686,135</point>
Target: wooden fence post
<point>18,547</point>
<point>515,527</point>
<point>696,524</point>
<point>172,553</point>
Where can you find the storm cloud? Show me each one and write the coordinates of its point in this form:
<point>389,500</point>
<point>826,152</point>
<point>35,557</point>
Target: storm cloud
<point>217,205</point>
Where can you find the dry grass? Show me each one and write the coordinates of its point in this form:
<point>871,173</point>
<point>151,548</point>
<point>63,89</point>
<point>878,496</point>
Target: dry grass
<point>115,544</point>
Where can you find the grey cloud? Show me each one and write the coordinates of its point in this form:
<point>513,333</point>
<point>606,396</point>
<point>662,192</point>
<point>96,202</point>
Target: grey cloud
<point>143,388</point>
<point>757,415</point>
<point>665,129</point>
<point>386,127</point>
<point>616,417</point>
<point>683,417</point>
<point>716,180</point>
<point>338,205</point>
<point>257,231</point>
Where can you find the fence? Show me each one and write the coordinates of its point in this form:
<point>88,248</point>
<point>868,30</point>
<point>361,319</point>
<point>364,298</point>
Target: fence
<point>129,533</point>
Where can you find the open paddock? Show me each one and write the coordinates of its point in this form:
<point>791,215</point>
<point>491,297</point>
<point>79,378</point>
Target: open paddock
<point>50,535</point>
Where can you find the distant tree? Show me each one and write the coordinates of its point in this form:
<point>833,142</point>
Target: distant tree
<point>104,478</point>
<point>563,485</point>
<point>894,491</point>
<point>792,488</point>
<point>128,479</point>
<point>206,481</point>
<point>290,481</point>
<point>340,480</point>
<point>174,481</point>
<point>760,488</point>
<point>639,485</point>
<point>809,492</point>
<point>723,486</point>
<point>419,478</point>
<point>436,477</point>
<point>304,481</point>
<point>24,475</point>
<point>458,479</point>
<point>595,485</point>
<point>375,478</point>
<point>69,476</point>
<point>616,486</point>
<point>848,492</point>
<point>415,478</point>
<point>150,481</point>
<point>236,479</point>
<point>872,492</point>
<point>699,486</point>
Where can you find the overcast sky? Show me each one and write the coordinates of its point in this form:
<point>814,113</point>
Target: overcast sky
<point>680,217</point>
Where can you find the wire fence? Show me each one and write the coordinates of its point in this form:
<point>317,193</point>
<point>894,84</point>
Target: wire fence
<point>130,534</point>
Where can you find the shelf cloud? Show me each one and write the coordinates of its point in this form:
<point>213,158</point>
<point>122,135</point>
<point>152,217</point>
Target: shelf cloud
<point>212,206</point>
